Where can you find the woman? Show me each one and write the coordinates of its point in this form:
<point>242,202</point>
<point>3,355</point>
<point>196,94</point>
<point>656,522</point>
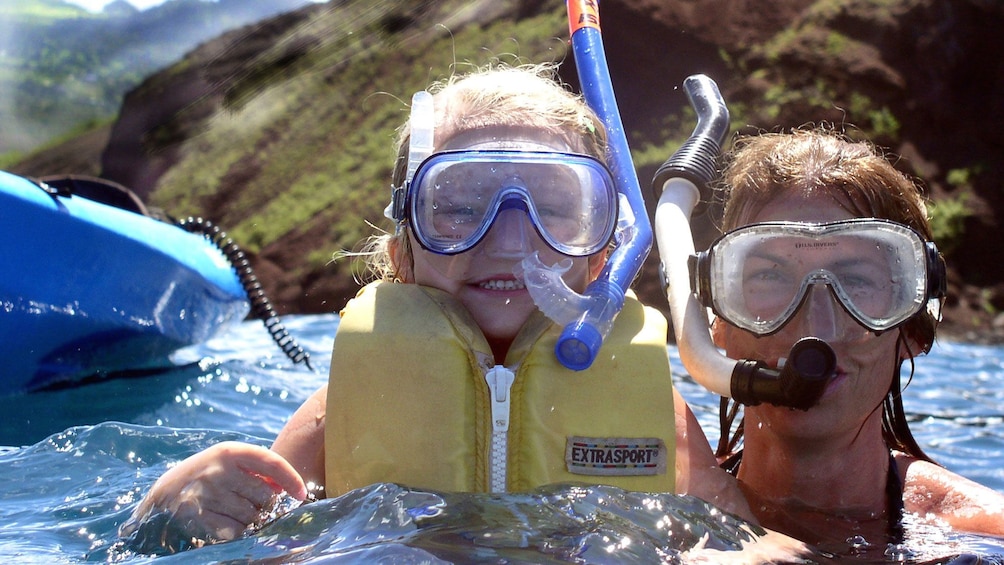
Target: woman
<point>443,373</point>
<point>825,238</point>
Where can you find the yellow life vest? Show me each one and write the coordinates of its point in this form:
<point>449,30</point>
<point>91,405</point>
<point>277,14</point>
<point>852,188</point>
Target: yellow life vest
<point>408,401</point>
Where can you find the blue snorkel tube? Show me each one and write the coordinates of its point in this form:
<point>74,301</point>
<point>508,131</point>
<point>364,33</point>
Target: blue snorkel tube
<point>582,337</point>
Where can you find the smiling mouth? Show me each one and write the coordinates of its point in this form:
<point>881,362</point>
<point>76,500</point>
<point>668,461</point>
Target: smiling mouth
<point>497,284</point>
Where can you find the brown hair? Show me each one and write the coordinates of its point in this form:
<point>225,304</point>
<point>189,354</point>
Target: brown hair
<point>820,160</point>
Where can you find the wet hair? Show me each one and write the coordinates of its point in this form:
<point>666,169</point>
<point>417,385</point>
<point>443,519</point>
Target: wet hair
<point>865,183</point>
<point>499,95</point>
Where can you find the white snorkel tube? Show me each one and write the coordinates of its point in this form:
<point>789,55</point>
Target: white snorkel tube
<point>679,183</point>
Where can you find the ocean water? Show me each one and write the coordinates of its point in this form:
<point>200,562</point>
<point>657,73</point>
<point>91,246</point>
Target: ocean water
<point>77,461</point>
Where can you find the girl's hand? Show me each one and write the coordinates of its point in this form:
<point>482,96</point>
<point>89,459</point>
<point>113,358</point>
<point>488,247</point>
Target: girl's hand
<point>211,496</point>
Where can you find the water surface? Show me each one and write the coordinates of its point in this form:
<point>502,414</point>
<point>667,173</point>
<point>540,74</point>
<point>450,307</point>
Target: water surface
<point>78,460</point>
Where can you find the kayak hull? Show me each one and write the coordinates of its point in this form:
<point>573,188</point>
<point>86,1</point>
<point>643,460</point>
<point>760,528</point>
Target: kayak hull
<point>89,289</point>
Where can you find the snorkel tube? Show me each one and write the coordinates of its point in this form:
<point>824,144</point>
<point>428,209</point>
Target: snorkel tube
<point>596,309</point>
<point>678,183</point>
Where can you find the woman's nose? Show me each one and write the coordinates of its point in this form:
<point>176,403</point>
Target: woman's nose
<point>821,318</point>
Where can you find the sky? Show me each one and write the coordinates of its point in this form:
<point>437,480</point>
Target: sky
<point>97,5</point>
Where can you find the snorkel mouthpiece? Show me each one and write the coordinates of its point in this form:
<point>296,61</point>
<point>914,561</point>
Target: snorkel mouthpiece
<point>581,340</point>
<point>590,316</point>
<point>549,292</point>
<point>799,383</point>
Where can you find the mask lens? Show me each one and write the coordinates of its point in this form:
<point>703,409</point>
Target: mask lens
<point>455,198</point>
<point>450,206</point>
<point>875,269</point>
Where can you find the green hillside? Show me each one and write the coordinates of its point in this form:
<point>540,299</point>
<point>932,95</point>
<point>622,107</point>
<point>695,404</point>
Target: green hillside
<point>39,12</point>
<point>64,69</point>
<point>304,143</point>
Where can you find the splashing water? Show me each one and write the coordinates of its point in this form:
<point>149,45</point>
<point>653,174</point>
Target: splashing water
<point>64,494</point>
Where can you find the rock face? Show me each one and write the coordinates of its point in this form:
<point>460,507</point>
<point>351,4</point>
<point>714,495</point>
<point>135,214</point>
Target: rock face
<point>933,67</point>
<point>923,78</point>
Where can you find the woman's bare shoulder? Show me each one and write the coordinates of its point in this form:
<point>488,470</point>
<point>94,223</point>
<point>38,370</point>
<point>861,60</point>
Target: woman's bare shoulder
<point>930,490</point>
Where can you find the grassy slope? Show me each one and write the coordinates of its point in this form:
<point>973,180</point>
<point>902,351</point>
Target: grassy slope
<point>39,11</point>
<point>64,69</point>
<point>320,140</point>
<point>296,160</point>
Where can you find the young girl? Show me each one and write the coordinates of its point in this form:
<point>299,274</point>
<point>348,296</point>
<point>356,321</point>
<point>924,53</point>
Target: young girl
<point>443,373</point>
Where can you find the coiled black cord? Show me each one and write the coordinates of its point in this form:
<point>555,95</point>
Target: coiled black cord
<point>261,307</point>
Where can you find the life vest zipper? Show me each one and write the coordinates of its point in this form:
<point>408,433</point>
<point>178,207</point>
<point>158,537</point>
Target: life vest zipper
<point>499,381</point>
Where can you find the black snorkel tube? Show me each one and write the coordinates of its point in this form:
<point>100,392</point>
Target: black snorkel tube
<point>679,183</point>
<point>581,338</point>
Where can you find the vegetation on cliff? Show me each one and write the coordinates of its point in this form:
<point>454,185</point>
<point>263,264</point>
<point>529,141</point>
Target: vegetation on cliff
<point>282,132</point>
<point>63,70</point>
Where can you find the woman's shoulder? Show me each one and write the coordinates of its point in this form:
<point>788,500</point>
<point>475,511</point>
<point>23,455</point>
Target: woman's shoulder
<point>932,491</point>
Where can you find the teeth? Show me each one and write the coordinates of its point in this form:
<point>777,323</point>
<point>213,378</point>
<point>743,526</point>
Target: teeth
<point>503,285</point>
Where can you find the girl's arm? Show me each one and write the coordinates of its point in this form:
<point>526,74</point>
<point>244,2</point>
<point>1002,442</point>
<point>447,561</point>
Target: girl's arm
<point>301,441</point>
<point>697,470</point>
<point>212,496</point>
<point>216,493</point>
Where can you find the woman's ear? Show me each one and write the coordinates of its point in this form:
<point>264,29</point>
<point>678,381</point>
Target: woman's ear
<point>909,346</point>
<point>718,332</point>
<point>917,335</point>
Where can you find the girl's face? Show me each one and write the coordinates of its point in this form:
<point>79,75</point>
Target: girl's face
<point>482,278</point>
<point>865,361</point>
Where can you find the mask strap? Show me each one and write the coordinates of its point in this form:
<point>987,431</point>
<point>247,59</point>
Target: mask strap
<point>421,125</point>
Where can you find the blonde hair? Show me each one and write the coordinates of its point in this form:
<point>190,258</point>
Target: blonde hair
<point>499,95</point>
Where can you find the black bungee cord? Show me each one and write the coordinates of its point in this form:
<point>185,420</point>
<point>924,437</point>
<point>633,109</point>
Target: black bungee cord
<point>261,307</point>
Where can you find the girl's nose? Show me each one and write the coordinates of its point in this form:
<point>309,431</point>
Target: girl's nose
<point>509,236</point>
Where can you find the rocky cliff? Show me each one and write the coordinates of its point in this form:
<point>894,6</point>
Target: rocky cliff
<point>282,131</point>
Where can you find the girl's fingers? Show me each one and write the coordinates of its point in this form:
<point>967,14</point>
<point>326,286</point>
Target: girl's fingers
<point>273,470</point>
<point>221,490</point>
<point>268,466</point>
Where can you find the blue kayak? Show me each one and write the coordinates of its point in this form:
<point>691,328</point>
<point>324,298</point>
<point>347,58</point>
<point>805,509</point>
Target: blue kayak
<point>89,288</point>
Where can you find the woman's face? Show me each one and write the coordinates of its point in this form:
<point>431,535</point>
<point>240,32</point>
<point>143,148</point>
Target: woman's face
<point>865,362</point>
<point>482,278</point>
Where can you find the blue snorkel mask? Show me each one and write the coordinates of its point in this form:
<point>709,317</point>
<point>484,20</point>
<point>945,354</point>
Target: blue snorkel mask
<point>456,197</point>
<point>451,200</point>
<point>608,205</point>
